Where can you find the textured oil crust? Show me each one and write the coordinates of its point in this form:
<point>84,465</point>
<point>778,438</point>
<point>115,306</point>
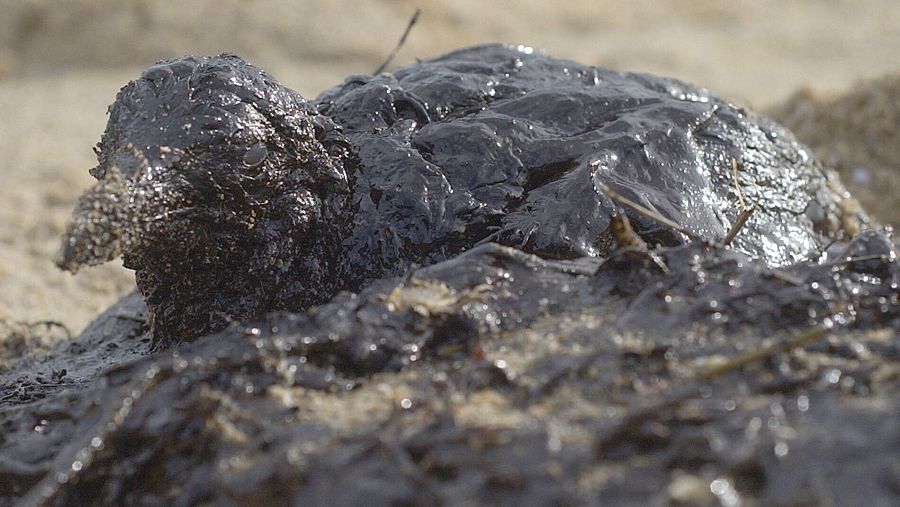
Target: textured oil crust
<point>495,377</point>
<point>230,195</point>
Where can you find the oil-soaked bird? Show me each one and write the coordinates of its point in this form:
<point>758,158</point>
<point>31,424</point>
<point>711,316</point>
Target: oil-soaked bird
<point>230,195</point>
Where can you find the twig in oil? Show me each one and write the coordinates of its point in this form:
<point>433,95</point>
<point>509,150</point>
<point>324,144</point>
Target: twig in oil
<point>623,233</point>
<point>737,184</point>
<point>706,120</point>
<point>647,212</point>
<point>801,339</point>
<point>628,240</point>
<point>745,212</point>
<point>738,225</point>
<point>390,58</point>
<point>787,277</point>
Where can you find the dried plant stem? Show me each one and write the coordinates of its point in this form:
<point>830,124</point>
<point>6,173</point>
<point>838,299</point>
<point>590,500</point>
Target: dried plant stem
<point>647,212</point>
<point>745,212</point>
<point>801,339</point>
<point>737,184</point>
<point>390,58</point>
<point>738,225</point>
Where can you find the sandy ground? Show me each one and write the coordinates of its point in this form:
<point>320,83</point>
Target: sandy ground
<point>61,64</point>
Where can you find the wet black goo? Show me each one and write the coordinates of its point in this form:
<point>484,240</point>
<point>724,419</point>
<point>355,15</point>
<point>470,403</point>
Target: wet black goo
<point>777,386</point>
<point>391,359</point>
<point>230,195</point>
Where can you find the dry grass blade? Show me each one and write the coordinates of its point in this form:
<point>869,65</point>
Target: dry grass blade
<point>738,225</point>
<point>737,184</point>
<point>390,58</point>
<point>745,212</point>
<point>647,212</point>
<point>787,278</point>
<point>623,233</point>
<point>628,240</point>
<point>801,339</point>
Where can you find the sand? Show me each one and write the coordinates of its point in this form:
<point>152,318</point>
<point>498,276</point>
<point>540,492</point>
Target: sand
<point>61,64</point>
<point>855,133</point>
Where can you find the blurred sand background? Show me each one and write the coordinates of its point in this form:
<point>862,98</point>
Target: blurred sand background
<point>61,63</point>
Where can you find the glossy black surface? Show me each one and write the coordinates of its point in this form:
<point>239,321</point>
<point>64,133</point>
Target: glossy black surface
<point>230,195</point>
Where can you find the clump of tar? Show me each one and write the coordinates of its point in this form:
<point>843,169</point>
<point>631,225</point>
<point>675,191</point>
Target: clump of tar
<point>209,183</point>
<point>231,196</point>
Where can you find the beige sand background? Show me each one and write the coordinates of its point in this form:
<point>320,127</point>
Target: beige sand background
<point>61,63</point>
